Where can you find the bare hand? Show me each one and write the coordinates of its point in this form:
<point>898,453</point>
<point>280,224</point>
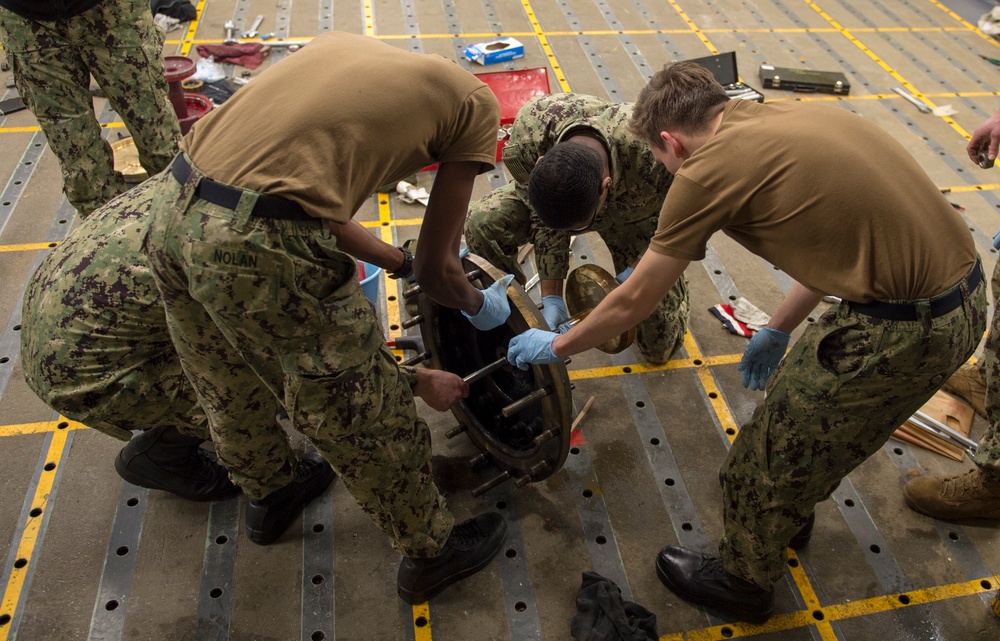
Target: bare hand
<point>440,389</point>
<point>985,137</point>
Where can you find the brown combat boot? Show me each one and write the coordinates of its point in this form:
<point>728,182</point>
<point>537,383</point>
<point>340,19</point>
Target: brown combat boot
<point>964,496</point>
<point>968,384</point>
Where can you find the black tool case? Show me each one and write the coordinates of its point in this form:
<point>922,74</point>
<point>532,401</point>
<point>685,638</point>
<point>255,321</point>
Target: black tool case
<point>804,80</point>
<point>723,67</point>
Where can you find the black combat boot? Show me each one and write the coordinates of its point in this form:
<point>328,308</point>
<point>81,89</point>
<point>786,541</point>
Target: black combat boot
<point>700,578</point>
<point>268,517</point>
<point>161,458</point>
<point>470,547</point>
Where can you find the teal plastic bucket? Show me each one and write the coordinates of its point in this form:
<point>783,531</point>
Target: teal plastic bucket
<point>370,280</point>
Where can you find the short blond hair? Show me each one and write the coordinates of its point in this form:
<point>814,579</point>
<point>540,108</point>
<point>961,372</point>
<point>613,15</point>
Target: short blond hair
<point>682,97</point>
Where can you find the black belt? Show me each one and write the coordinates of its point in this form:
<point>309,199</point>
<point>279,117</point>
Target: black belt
<point>225,196</point>
<point>908,311</point>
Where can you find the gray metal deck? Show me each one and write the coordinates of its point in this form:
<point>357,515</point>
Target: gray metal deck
<point>90,558</point>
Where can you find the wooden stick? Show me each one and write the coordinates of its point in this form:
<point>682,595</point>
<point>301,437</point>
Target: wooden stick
<point>583,412</point>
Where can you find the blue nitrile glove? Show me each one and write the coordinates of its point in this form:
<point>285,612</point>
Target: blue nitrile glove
<point>534,347</point>
<point>996,240</point>
<point>554,311</point>
<point>622,277</point>
<point>496,307</point>
<point>762,356</point>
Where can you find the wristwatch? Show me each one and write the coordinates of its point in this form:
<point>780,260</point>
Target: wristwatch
<point>406,269</point>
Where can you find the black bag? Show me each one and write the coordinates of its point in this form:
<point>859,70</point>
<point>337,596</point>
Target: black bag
<point>180,9</point>
<point>723,67</point>
<point>804,80</point>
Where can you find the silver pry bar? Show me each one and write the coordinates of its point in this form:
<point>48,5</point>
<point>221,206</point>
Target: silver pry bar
<point>937,428</point>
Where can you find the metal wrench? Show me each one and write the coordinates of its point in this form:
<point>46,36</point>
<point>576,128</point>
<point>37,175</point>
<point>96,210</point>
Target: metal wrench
<point>252,31</point>
<point>919,105</point>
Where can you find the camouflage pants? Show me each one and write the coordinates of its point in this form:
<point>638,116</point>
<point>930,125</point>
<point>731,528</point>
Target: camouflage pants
<point>52,62</point>
<point>279,297</point>
<point>988,450</point>
<point>836,398</point>
<point>94,341</point>
<point>501,222</point>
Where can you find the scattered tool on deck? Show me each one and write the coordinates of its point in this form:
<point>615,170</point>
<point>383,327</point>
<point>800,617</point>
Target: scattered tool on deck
<point>919,105</point>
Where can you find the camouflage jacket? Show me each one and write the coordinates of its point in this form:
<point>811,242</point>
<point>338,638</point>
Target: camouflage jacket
<point>638,182</point>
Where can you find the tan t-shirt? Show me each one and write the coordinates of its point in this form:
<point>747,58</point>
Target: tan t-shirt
<point>329,124</point>
<point>824,195</point>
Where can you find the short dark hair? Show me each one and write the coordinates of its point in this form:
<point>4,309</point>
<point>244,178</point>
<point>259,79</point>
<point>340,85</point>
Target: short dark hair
<point>683,97</point>
<point>564,187</point>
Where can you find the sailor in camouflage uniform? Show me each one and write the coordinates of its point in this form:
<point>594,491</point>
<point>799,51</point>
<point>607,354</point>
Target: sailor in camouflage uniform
<point>504,220</point>
<point>876,232</point>
<point>975,493</point>
<point>258,290</point>
<point>95,347</point>
<point>53,47</point>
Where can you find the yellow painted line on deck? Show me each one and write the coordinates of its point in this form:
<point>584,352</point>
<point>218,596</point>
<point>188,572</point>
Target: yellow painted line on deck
<point>401,222</point>
<point>645,368</point>
<point>27,247</point>
<point>860,45</point>
<point>968,188</point>
<point>967,25</point>
<point>892,72</point>
<point>188,41</point>
<point>29,537</point>
<point>694,28</point>
<point>839,612</point>
<point>422,622</point>
<point>21,429</point>
<point>369,17</point>
<point>809,596</point>
<point>34,128</point>
<point>707,380</point>
<point>543,40</point>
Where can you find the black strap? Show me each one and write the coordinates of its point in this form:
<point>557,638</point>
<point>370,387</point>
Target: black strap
<point>229,197</point>
<point>940,305</point>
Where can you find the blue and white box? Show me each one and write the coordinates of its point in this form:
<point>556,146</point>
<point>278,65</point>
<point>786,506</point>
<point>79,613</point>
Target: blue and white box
<point>488,53</point>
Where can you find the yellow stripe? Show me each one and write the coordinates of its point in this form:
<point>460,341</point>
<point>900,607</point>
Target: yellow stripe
<point>391,306</point>
<point>192,28</point>
<point>21,429</point>
<point>864,607</point>
<point>643,368</point>
<point>22,130</point>
<point>473,35</point>
<point>544,42</point>
<point>422,622</point>
<point>857,43</point>
<point>369,16</point>
<point>400,222</point>
<point>707,380</point>
<point>28,247</point>
<point>892,72</point>
<point>809,596</point>
<point>961,188</point>
<point>694,28</point>
<point>29,537</point>
<point>968,26</point>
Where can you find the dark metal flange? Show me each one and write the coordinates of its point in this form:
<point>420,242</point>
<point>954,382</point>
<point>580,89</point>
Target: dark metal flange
<point>519,420</point>
<point>586,287</point>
